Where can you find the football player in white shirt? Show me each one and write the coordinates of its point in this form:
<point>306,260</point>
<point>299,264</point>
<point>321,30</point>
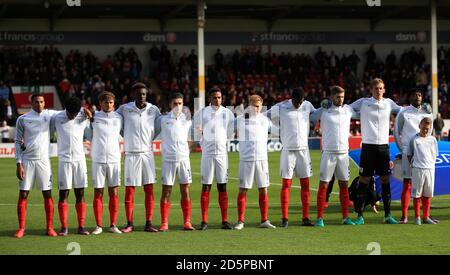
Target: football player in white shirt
<point>72,171</point>
<point>214,126</point>
<point>139,119</point>
<point>175,129</point>
<point>252,130</point>
<point>293,116</point>
<point>105,153</point>
<point>422,152</point>
<point>406,126</point>
<point>375,114</point>
<point>335,117</point>
<point>32,143</point>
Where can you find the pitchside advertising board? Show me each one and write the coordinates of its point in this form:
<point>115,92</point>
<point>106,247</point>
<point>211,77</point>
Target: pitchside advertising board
<point>7,149</point>
<point>218,38</point>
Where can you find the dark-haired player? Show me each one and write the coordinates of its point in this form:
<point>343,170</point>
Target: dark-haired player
<point>139,119</point>
<point>72,171</point>
<point>406,126</point>
<point>214,125</point>
<point>32,143</point>
<point>293,118</point>
<point>175,128</point>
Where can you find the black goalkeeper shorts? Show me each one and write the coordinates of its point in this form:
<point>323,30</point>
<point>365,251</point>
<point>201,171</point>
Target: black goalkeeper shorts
<point>374,159</point>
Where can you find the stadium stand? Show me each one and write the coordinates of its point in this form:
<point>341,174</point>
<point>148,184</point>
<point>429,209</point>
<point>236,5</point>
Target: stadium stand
<point>239,74</point>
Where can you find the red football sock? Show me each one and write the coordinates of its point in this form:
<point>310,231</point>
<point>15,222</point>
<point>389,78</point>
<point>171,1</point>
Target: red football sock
<point>284,197</point>
<point>264,206</point>
<point>426,202</point>
<point>129,202</point>
<point>416,203</point>
<point>63,209</point>
<point>223,203</point>
<point>321,199</point>
<point>204,201</point>
<point>186,208</point>
<point>48,205</point>
<point>81,213</point>
<point>149,202</point>
<point>22,212</point>
<point>113,209</point>
<point>165,210</point>
<point>345,201</point>
<point>305,196</point>
<point>406,194</point>
<point>98,208</point>
<point>241,206</point>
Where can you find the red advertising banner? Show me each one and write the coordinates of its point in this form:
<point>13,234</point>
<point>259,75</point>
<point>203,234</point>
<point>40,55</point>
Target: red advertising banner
<point>23,100</point>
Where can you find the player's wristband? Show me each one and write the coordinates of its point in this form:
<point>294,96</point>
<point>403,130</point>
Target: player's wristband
<point>427,108</point>
<point>326,103</point>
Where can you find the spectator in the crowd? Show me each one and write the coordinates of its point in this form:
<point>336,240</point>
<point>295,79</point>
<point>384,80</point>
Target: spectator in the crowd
<point>438,125</point>
<point>9,113</point>
<point>238,74</point>
<point>218,58</point>
<point>5,132</point>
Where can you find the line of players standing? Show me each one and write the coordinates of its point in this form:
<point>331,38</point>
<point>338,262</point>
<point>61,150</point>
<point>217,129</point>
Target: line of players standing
<point>139,122</point>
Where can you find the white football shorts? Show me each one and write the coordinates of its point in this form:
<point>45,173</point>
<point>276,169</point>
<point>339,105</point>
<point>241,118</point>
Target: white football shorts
<point>422,182</point>
<point>109,172</point>
<point>250,171</point>
<point>334,164</point>
<point>406,167</point>
<point>214,167</point>
<point>295,160</point>
<point>170,169</point>
<point>38,173</point>
<point>139,169</point>
<point>72,174</point>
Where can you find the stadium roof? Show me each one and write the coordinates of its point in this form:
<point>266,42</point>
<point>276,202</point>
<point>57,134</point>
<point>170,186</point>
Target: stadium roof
<point>269,10</point>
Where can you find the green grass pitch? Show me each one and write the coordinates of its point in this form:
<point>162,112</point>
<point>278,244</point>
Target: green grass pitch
<point>333,239</point>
